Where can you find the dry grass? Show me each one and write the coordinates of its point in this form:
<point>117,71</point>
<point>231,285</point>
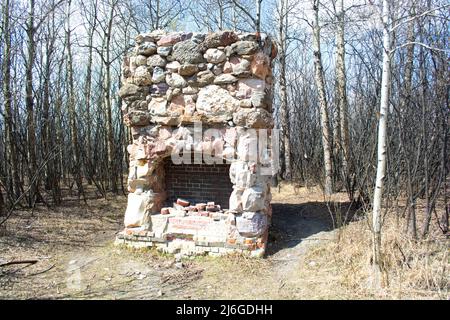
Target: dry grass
<point>412,269</point>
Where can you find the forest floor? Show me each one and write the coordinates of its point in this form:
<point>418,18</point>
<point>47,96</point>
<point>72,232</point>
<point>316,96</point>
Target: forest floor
<point>77,259</point>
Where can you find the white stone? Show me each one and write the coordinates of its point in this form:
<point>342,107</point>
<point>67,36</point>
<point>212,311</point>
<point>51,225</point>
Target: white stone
<point>247,147</point>
<point>173,66</point>
<point>215,56</point>
<point>136,209</point>
<point>236,200</point>
<point>253,199</point>
<point>216,104</point>
<point>158,106</point>
<point>175,80</point>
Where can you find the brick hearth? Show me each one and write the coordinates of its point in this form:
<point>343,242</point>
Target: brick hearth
<point>198,183</point>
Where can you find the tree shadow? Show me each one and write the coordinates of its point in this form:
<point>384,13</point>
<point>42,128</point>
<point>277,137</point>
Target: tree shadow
<point>292,223</point>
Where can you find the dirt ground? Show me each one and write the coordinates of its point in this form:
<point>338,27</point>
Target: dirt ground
<point>76,257</point>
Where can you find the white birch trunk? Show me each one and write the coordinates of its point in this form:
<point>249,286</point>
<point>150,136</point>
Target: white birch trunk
<point>282,28</point>
<point>381,153</point>
<point>320,83</point>
<point>341,133</point>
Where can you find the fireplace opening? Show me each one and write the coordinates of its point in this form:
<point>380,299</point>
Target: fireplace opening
<point>198,183</point>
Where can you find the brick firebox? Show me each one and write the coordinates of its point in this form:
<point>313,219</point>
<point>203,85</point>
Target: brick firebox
<point>198,182</point>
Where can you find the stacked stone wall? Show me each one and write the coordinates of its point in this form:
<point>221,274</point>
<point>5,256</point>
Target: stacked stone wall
<point>175,88</point>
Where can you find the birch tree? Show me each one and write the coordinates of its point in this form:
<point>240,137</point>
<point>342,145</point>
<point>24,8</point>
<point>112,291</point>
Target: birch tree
<point>29,101</point>
<point>323,104</point>
<point>284,112</point>
<point>342,139</point>
<point>381,153</point>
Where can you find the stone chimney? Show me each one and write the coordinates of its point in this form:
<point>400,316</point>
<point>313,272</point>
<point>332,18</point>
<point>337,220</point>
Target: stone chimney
<point>200,113</point>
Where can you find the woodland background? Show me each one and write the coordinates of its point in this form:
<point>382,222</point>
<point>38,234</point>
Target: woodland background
<point>60,116</point>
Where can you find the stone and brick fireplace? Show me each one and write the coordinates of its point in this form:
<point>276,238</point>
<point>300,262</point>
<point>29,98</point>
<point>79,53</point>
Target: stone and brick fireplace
<point>199,109</point>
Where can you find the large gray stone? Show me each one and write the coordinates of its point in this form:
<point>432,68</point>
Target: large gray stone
<point>140,60</point>
<point>128,89</point>
<point>242,48</point>
<point>136,118</point>
<point>142,76</point>
<point>204,78</point>
<point>164,51</point>
<point>225,78</point>
<point>187,69</point>
<point>156,61</point>
<point>187,52</point>
<point>253,118</point>
<point>146,48</point>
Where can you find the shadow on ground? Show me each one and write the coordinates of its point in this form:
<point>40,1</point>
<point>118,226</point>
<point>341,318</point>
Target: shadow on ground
<point>293,223</point>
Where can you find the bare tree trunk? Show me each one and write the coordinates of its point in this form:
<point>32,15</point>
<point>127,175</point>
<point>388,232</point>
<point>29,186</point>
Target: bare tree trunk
<point>282,30</point>
<point>411,226</point>
<point>48,141</point>
<point>87,95</point>
<point>381,153</point>
<point>13,187</point>
<point>112,174</point>
<point>31,129</point>
<point>76,170</point>
<point>258,16</point>
<point>320,83</point>
<point>342,133</point>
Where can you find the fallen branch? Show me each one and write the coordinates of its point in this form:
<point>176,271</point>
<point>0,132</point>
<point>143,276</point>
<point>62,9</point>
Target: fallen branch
<point>41,272</point>
<point>4,264</point>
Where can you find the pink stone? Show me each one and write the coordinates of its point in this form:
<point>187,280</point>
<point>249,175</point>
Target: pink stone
<point>239,65</point>
<point>260,65</point>
<point>227,67</point>
<point>159,147</point>
<point>154,149</point>
<point>217,146</point>
<point>173,38</point>
<point>164,134</point>
<point>168,40</point>
<point>207,147</point>
<point>177,101</point>
<point>182,101</point>
<point>245,87</point>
